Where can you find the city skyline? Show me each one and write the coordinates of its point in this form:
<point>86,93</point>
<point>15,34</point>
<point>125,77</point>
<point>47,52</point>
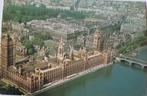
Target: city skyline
<point>46,43</point>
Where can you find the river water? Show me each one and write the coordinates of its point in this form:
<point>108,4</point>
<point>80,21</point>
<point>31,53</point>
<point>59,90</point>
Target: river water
<point>115,80</point>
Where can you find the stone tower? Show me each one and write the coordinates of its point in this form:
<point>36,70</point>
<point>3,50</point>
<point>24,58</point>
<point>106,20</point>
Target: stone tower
<point>71,52</point>
<point>60,52</point>
<point>97,41</point>
<point>7,51</point>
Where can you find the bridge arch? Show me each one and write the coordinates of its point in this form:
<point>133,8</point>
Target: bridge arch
<point>134,64</point>
<point>124,61</point>
<point>145,67</point>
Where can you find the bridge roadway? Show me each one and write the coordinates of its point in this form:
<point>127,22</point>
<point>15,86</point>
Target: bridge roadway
<point>133,61</point>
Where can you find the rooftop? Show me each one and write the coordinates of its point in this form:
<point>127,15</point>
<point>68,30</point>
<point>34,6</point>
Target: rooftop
<point>59,26</point>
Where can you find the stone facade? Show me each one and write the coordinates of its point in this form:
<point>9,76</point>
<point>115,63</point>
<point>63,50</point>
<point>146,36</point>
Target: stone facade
<point>7,48</point>
<point>39,77</point>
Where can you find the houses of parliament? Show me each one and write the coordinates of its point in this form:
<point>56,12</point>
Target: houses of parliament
<point>31,75</point>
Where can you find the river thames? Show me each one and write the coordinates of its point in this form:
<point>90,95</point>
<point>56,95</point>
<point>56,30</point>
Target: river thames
<point>115,80</point>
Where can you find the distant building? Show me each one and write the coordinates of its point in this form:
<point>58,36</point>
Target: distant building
<point>58,28</point>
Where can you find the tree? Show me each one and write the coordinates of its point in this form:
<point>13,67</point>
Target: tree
<point>38,41</point>
<point>30,48</point>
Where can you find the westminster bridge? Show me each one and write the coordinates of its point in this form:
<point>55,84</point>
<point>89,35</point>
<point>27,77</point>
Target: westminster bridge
<point>132,62</point>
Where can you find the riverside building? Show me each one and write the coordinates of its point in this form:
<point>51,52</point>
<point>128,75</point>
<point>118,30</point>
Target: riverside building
<point>33,74</point>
